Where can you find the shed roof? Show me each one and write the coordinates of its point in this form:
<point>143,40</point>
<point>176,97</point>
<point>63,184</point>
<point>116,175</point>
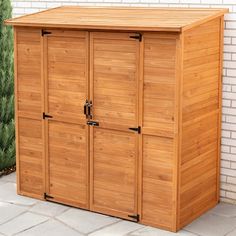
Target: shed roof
<point>119,18</point>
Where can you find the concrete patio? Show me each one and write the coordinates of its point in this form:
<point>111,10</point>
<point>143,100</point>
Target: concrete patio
<point>29,217</point>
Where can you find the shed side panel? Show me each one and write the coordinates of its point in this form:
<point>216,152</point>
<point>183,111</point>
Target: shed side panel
<point>200,116</point>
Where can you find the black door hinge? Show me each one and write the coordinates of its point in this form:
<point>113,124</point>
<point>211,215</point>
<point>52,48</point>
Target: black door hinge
<point>93,123</point>
<point>135,217</point>
<point>136,129</point>
<point>46,116</point>
<point>45,32</point>
<point>137,36</point>
<point>46,196</point>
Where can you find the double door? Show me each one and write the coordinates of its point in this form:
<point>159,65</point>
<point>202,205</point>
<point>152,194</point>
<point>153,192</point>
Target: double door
<point>91,120</point>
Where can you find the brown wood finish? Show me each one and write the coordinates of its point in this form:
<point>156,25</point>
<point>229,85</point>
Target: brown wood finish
<point>200,118</point>
<point>114,65</point>
<point>28,113</point>
<point>166,82</point>
<point>29,97</point>
<point>31,156</point>
<point>67,155</point>
<point>158,130</point>
<point>119,18</point>
<point>66,60</point>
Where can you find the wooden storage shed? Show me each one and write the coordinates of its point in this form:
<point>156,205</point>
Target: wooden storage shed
<point>118,110</point>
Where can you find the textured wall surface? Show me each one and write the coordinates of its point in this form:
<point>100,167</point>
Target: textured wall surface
<point>228,162</point>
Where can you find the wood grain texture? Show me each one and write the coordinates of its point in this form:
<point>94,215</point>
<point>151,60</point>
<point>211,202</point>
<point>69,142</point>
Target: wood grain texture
<point>66,134</point>
<point>159,112</point>
<point>157,205</point>
<point>30,148</point>
<point>200,116</point>
<point>114,64</point>
<point>28,112</point>
<point>29,96</point>
<point>114,173</point>
<point>159,85</point>
<point>67,160</point>
<point>114,18</point>
<point>67,64</point>
<point>114,78</point>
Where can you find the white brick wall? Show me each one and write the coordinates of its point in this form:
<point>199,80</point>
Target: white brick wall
<point>228,163</point>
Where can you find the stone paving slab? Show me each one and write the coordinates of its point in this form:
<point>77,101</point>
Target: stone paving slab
<point>10,178</point>
<point>8,194</point>
<point>48,208</point>
<point>121,228</point>
<point>212,225</point>
<point>2,182</point>
<point>232,233</point>
<point>224,209</point>
<point>9,211</point>
<point>23,216</point>
<point>85,221</point>
<point>21,223</point>
<point>50,228</point>
<point>150,231</point>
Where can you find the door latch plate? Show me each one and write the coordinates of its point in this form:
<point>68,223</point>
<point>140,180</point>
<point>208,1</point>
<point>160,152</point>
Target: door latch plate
<point>93,123</point>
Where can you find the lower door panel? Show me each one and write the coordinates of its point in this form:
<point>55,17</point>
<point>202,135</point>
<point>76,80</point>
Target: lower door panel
<point>68,163</point>
<point>113,172</point>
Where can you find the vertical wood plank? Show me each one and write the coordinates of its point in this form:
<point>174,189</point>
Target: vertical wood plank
<point>140,123</point>
<point>45,141</point>
<point>16,113</point>
<point>45,84</point>
<point>178,142</point>
<point>91,129</point>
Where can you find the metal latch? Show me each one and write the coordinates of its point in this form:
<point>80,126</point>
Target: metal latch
<point>87,109</point>
<point>93,123</point>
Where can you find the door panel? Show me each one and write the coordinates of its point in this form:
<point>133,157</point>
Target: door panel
<point>67,132</point>
<point>67,76</point>
<point>114,64</point>
<point>114,172</point>
<point>115,59</point>
<point>68,162</point>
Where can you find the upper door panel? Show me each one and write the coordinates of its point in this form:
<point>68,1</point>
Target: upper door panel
<point>67,72</point>
<point>114,79</point>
